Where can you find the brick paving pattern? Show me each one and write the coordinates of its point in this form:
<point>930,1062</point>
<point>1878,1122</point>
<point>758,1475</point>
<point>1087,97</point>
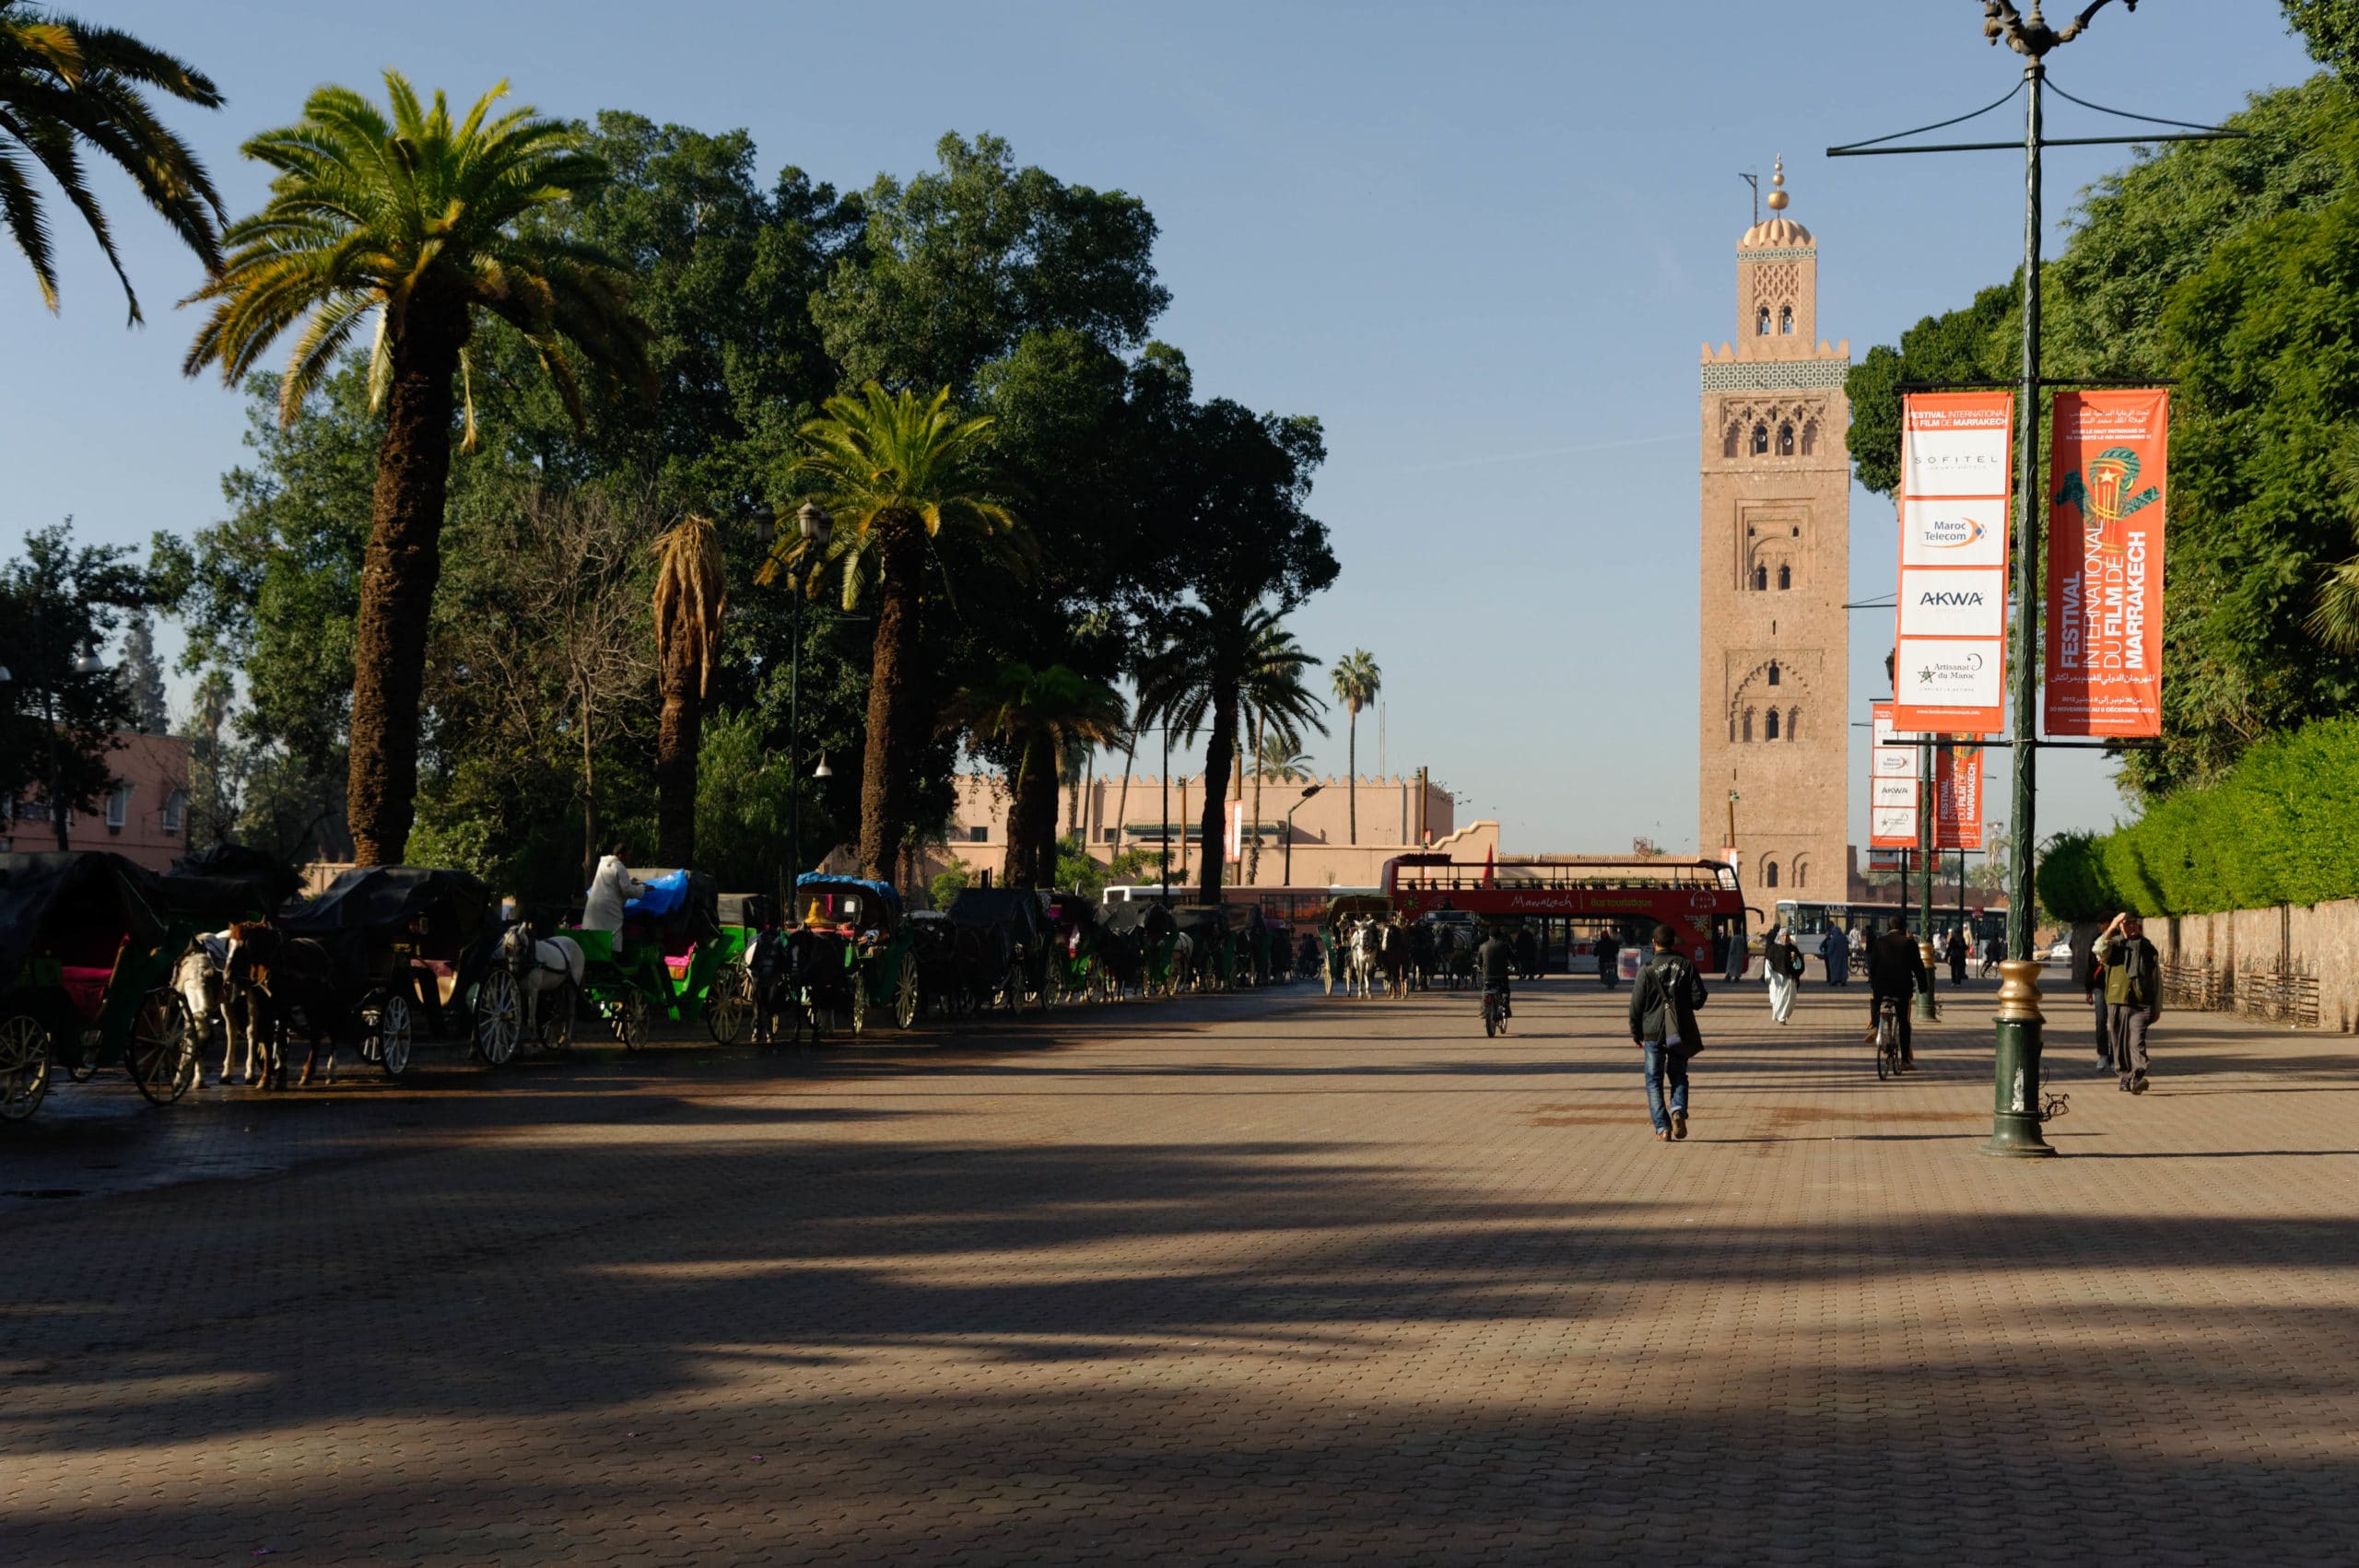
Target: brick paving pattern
<point>1242,1281</point>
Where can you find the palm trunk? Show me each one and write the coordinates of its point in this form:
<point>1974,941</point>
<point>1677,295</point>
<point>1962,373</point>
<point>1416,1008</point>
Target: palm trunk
<point>1352,772</point>
<point>1032,820</point>
<point>397,579</point>
<point>1122,803</point>
<point>1220,752</point>
<point>679,732</point>
<point>891,754</point>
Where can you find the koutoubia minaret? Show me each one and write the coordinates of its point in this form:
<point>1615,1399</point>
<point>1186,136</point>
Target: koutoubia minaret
<point>1777,543</point>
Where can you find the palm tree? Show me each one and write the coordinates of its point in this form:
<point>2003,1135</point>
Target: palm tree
<point>1281,759</point>
<point>2334,619</point>
<point>1356,681</point>
<point>65,85</point>
<point>421,225</point>
<point>1279,708</point>
<point>691,596</point>
<point>1042,716</point>
<point>895,470</point>
<point>1197,681</point>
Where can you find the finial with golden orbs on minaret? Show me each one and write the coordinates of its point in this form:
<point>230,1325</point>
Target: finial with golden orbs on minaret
<point>1777,197</point>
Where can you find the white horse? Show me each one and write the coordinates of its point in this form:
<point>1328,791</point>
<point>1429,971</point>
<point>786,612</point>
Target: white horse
<point>1360,966</point>
<point>1181,971</point>
<point>540,966</point>
<point>610,889</point>
<point>202,979</point>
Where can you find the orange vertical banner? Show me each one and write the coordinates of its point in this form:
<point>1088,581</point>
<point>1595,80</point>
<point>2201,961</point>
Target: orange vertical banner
<point>1957,797</point>
<point>2105,563</point>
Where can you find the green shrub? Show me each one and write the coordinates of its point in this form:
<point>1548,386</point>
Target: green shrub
<point>2276,830</point>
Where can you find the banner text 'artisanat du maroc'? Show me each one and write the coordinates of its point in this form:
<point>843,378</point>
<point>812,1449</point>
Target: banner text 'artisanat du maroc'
<point>2105,563</point>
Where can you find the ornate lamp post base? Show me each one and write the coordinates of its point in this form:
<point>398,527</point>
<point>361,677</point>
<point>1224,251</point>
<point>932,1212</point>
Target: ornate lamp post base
<point>2014,1129</point>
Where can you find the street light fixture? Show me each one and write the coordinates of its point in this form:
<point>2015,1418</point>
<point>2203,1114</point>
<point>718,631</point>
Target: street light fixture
<point>1314,789</point>
<point>813,521</point>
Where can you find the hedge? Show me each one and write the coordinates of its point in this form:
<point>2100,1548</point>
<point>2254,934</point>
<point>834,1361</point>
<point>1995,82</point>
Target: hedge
<point>2278,829</point>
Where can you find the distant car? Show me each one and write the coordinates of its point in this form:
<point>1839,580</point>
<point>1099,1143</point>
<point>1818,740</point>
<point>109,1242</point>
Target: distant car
<point>2061,953</point>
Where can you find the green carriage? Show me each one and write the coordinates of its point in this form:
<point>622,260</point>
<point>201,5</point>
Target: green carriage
<point>1077,967</point>
<point>670,961</point>
<point>1136,942</point>
<point>861,926</point>
<point>1216,944</point>
<point>86,969</point>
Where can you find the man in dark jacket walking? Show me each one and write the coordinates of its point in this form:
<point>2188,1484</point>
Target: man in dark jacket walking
<point>1662,1025</point>
<point>1895,968</point>
<point>2134,996</point>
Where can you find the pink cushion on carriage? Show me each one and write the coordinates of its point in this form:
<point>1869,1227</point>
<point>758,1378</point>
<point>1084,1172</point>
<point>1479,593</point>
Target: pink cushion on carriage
<point>678,963</point>
<point>85,987</point>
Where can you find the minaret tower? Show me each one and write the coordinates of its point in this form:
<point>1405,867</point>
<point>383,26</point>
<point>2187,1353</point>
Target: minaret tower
<point>1777,540</point>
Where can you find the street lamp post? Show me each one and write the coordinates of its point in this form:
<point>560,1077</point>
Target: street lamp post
<point>1927,1009</point>
<point>1290,811</point>
<point>815,527</point>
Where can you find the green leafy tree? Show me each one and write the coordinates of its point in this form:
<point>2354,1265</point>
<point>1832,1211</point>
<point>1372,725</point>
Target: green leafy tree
<point>1356,680</point>
<point>1037,716</point>
<point>895,470</point>
<point>67,87</point>
<point>418,224</point>
<point>2331,28</point>
<point>60,711</point>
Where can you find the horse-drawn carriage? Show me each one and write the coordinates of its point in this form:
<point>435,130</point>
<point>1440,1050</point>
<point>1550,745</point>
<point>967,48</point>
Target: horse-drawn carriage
<point>1206,960</point>
<point>1135,942</point>
<point>86,964</point>
<point>1346,912</point>
<point>1076,972</point>
<point>1011,933</point>
<point>403,950</point>
<point>861,965</point>
<point>664,961</point>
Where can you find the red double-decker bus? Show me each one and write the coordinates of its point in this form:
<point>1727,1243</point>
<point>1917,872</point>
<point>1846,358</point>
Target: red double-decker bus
<point>1700,899</point>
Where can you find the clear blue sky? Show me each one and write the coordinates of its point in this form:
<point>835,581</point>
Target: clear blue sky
<point>1482,241</point>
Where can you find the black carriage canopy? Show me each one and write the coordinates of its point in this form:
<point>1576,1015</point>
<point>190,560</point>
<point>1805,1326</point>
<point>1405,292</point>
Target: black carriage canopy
<point>1203,920</point>
<point>1073,910</point>
<point>1146,915</point>
<point>847,901</point>
<point>996,909</point>
<point>76,905</point>
<point>368,905</point>
<point>751,910</point>
<point>223,885</point>
<point>691,917</point>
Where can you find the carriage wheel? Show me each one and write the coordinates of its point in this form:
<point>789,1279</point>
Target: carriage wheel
<point>556,1018</point>
<point>499,1018</point>
<point>24,1067</point>
<point>728,1001</point>
<point>906,999</point>
<point>163,1048</point>
<point>627,1018</point>
<point>394,1035</point>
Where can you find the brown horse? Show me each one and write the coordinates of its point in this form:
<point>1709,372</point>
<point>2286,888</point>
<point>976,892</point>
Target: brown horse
<point>294,980</point>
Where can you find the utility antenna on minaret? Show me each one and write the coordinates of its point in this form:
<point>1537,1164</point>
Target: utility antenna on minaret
<point>1753,179</point>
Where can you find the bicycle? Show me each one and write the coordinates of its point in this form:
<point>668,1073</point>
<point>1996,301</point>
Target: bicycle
<point>1887,1038</point>
<point>1495,1011</point>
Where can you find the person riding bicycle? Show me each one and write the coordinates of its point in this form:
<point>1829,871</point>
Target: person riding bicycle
<point>1495,964</point>
<point>1896,969</point>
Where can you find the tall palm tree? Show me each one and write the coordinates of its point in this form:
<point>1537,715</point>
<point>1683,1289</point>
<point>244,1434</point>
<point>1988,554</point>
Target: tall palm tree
<point>65,85</point>
<point>691,594</point>
<point>1196,682</point>
<point>895,470</point>
<point>419,224</point>
<point>1279,706</point>
<point>1356,681</point>
<point>1042,716</point>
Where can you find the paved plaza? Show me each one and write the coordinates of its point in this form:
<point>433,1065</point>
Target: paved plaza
<point>1242,1280</point>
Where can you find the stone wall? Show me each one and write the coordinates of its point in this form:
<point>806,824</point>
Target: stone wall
<point>2240,952</point>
